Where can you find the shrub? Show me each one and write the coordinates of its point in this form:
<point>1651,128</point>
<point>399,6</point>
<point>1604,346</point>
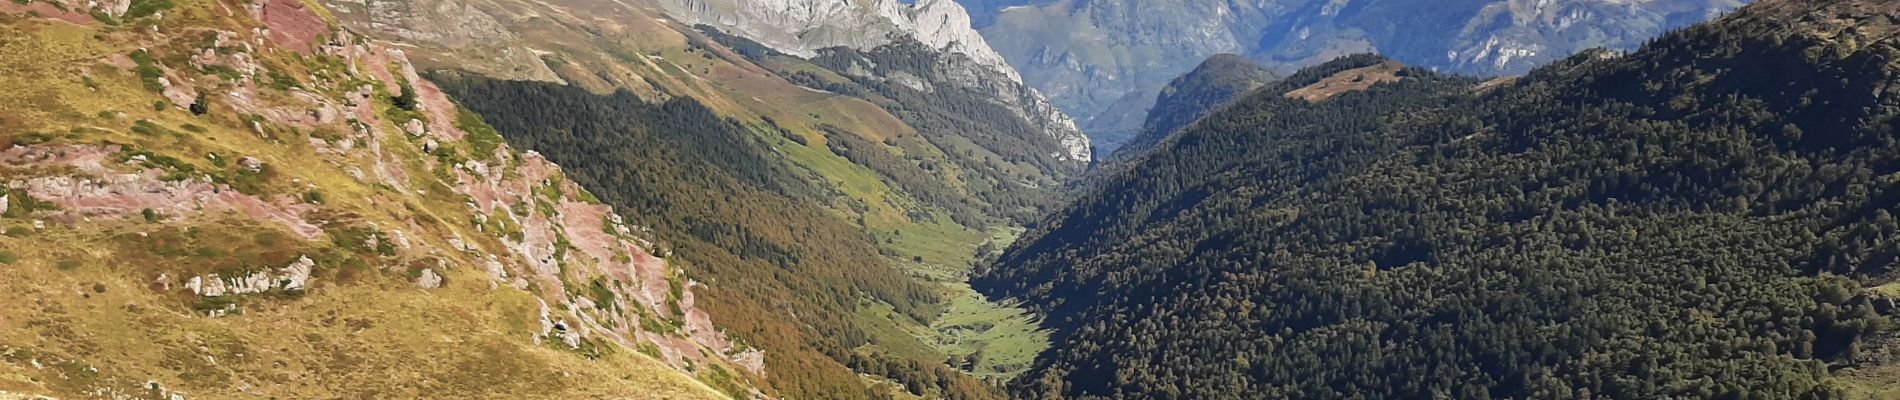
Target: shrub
<point>405,100</point>
<point>200,106</point>
<point>147,69</point>
<point>144,8</point>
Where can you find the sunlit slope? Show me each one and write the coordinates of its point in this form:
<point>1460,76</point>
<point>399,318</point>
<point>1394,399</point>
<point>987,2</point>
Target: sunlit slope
<point>226,199</point>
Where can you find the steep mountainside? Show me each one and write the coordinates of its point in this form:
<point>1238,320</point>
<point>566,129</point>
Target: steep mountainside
<point>230,199</point>
<point>833,201</point>
<point>1219,80</point>
<point>1087,55</point>
<point>804,27</point>
<point>1661,224</point>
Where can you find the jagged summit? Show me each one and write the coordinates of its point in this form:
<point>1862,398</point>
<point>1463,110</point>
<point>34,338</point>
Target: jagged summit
<point>802,27</point>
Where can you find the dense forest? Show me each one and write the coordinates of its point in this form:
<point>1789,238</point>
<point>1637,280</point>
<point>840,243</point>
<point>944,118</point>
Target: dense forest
<point>786,274</point>
<point>1696,219</point>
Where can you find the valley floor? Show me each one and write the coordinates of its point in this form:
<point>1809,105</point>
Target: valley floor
<point>989,339</point>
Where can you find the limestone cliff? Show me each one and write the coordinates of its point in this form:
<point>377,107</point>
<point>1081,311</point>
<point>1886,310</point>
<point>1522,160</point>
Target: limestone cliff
<point>802,27</point>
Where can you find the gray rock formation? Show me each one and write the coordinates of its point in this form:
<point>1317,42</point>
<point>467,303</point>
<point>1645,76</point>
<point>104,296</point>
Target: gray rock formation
<point>289,278</point>
<point>802,27</point>
<point>429,280</point>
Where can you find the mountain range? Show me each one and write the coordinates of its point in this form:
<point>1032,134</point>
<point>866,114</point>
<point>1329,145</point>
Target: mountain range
<point>1101,60</point>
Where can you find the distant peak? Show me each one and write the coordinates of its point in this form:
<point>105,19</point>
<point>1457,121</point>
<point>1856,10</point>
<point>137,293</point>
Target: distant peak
<point>1226,58</point>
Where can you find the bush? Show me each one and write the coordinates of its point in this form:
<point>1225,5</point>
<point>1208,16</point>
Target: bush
<point>407,99</point>
<point>200,106</point>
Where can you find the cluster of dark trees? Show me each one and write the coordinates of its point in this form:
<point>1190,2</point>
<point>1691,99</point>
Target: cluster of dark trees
<point>1695,219</point>
<point>786,273</point>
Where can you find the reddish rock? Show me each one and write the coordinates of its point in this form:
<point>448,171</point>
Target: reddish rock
<point>293,26</point>
<point>47,10</point>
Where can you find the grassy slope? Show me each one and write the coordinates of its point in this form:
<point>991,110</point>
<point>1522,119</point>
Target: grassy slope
<point>78,316</point>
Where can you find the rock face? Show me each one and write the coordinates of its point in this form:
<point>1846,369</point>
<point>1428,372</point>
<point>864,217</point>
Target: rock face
<point>1087,55</point>
<point>803,27</point>
<point>293,277</point>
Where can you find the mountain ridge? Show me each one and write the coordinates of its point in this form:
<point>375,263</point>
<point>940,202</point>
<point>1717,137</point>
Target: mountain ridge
<point>804,27</point>
<point>1214,83</point>
<point>1087,55</point>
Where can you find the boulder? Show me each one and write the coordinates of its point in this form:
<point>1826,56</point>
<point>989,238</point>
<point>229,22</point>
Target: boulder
<point>414,128</point>
<point>251,164</point>
<point>429,280</point>
<point>296,275</point>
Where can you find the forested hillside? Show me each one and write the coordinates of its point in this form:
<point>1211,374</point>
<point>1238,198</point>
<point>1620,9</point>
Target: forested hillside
<point>1707,217</point>
<point>1219,80</point>
<point>838,225</point>
<point>790,274</point>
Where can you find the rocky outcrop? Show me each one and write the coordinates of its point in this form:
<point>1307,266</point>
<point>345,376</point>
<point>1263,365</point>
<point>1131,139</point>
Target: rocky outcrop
<point>802,27</point>
<point>429,279</point>
<point>104,189</point>
<point>293,277</point>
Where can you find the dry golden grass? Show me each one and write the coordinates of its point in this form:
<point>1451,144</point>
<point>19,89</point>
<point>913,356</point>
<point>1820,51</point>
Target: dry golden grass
<point>80,316</point>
